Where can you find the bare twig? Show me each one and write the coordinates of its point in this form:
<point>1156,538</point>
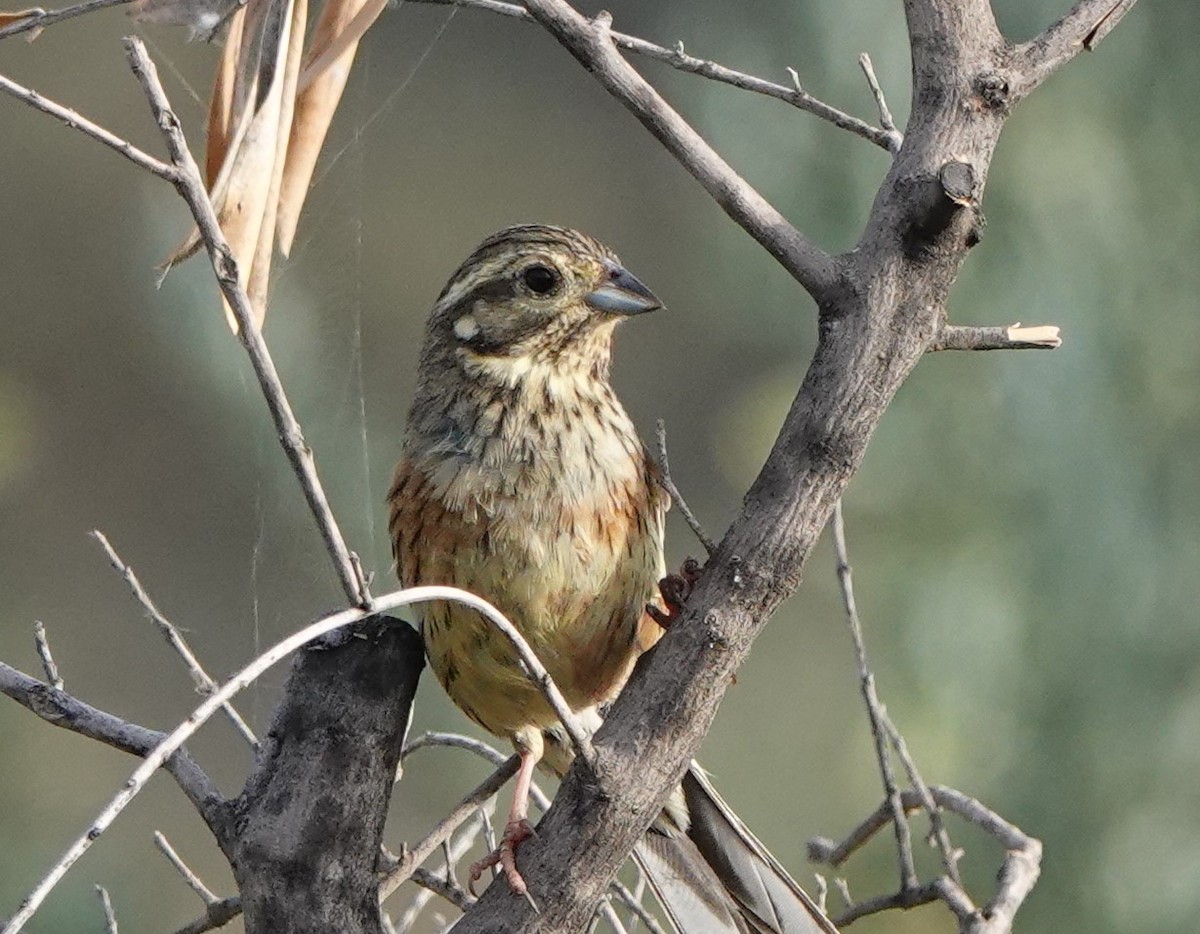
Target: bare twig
<point>159,753</point>
<point>193,881</point>
<point>485,751</point>
<point>940,838</point>
<point>633,902</point>
<point>458,849</point>
<point>668,483</point>
<point>62,710</point>
<point>1017,876</point>
<point>591,42</point>
<point>414,857</point>
<point>1014,337</point>
<point>72,119</point>
<point>204,683</point>
<point>451,891</point>
<point>110,916</point>
<point>217,915</point>
<point>190,184</point>
<point>38,19</point>
<point>680,60</point>
<point>43,649</point>
<point>895,139</point>
<point>1081,29</point>
<point>908,872</point>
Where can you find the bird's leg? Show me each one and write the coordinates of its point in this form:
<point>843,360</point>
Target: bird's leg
<point>675,589</point>
<point>516,830</point>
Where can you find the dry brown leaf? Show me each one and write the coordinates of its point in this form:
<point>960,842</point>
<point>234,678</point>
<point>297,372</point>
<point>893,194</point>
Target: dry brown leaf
<point>7,19</point>
<point>257,286</point>
<point>326,69</point>
<point>220,110</point>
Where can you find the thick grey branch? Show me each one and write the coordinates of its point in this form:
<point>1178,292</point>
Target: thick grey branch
<point>591,42</point>
<point>62,710</point>
<point>1081,29</point>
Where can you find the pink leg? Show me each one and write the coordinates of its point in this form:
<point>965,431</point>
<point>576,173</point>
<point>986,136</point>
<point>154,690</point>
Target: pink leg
<point>517,829</point>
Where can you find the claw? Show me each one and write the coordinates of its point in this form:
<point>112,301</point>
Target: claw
<point>505,855</point>
<point>675,590</point>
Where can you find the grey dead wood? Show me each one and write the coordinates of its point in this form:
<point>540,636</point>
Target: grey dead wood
<point>310,819</point>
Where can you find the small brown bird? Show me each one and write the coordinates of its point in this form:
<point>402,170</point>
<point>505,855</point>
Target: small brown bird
<point>523,480</point>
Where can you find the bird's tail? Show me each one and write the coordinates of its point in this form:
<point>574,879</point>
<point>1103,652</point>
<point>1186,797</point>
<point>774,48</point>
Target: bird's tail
<point>711,874</point>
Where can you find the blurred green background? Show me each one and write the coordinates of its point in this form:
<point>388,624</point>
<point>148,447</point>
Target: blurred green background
<point>1025,530</point>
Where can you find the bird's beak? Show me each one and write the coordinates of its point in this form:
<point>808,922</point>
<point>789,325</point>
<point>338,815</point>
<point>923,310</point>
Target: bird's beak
<point>622,293</point>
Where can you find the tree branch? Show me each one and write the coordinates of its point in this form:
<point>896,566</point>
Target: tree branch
<point>83,125</point>
<point>681,61</point>
<point>1081,29</point>
<point>1013,337</point>
<point>190,185</point>
<point>38,19</point>
<point>591,42</point>
<point>203,681</point>
<point>60,709</point>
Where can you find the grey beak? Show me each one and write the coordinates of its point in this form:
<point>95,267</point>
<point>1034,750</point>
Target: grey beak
<point>622,293</point>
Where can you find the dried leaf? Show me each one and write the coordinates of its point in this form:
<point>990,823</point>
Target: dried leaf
<point>7,19</point>
<point>220,110</point>
<point>260,271</point>
<point>326,69</point>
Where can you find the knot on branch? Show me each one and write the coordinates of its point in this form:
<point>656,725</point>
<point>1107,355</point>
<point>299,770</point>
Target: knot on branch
<point>944,206</point>
<point>993,92</point>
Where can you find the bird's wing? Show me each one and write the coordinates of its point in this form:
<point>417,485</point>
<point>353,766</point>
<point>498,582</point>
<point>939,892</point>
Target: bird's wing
<point>770,899</point>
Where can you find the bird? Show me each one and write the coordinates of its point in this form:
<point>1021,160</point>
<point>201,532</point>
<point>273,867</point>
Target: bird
<point>523,479</point>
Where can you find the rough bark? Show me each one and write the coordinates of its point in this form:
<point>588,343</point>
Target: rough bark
<point>309,824</point>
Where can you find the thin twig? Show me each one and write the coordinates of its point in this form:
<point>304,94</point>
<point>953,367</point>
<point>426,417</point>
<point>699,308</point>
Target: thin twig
<point>43,649</point>
<point>459,847</point>
<point>193,881</point>
<point>83,125</point>
<point>161,752</point>
<point>485,751</point>
<point>895,139</point>
<point>451,891</point>
<point>908,872</point>
<point>680,60</point>
<point>591,42</point>
<point>204,683</point>
<point>110,916</point>
<point>414,857</point>
<point>60,709</point>
<point>668,483</point>
<point>949,852</point>
<point>218,915</point>
<point>38,19</point>
<point>633,902</point>
<point>1014,337</point>
<point>190,184</point>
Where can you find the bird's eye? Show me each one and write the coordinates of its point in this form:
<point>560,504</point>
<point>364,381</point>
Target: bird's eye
<point>541,280</point>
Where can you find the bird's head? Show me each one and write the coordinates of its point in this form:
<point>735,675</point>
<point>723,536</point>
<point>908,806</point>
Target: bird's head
<point>535,296</point>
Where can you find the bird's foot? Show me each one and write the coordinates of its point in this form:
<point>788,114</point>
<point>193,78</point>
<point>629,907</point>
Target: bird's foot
<point>675,590</point>
<point>505,855</point>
